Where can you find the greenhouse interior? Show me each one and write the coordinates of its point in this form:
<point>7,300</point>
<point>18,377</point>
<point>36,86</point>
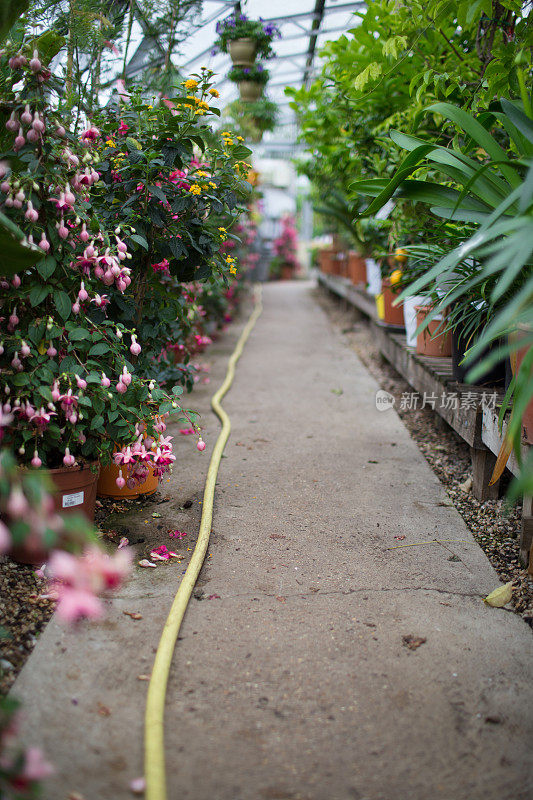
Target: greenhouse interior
<point>258,256</point>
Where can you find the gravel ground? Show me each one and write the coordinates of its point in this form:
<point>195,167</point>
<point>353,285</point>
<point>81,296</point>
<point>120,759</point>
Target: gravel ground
<point>495,527</point>
<point>23,615</point>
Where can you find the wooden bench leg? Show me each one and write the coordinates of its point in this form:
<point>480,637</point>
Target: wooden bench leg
<point>526,534</point>
<point>483,462</point>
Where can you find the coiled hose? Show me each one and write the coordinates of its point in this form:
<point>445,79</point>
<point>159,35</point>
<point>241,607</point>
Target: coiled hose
<point>154,740</point>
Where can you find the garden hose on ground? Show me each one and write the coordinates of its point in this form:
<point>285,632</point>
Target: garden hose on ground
<point>154,744</point>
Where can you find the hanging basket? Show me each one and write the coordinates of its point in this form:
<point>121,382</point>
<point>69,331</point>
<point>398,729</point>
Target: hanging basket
<point>250,91</point>
<point>242,51</point>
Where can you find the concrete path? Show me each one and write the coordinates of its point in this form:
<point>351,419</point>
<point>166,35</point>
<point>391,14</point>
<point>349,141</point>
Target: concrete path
<point>293,681</point>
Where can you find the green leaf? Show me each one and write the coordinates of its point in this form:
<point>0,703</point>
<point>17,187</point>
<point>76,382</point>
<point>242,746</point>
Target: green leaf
<point>78,334</point>
<point>16,257</point>
<point>38,294</point>
<point>140,240</point>
<point>99,349</point>
<point>10,11</point>
<point>97,422</point>
<point>63,304</point>
<point>46,267</point>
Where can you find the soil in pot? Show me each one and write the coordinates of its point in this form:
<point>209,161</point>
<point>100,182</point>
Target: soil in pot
<point>242,51</point>
<point>430,342</point>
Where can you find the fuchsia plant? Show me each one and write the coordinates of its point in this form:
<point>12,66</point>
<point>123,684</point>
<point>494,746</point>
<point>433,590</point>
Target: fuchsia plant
<point>67,372</point>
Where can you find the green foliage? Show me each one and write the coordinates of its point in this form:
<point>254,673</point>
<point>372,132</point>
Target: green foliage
<point>254,73</point>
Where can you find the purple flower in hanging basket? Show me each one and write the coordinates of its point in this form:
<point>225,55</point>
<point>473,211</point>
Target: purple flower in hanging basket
<point>246,71</point>
<point>260,68</point>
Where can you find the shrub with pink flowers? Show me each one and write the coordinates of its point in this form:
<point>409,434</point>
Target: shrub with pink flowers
<point>285,247</point>
<point>68,378</point>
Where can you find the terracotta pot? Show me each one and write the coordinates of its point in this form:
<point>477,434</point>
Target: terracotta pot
<point>325,260</point>
<point>242,51</point>
<point>75,489</point>
<point>107,486</point>
<point>441,345</point>
<point>527,416</point>
<point>392,315</point>
<point>250,91</point>
<point>75,493</point>
<point>356,268</point>
<point>287,272</point>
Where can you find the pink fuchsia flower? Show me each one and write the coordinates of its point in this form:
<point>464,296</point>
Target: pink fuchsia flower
<point>36,461</point>
<point>124,456</point>
<point>123,128</point>
<point>121,387</point>
<point>67,400</point>
<point>201,445</point>
<point>81,382</point>
<point>5,538</point>
<point>75,604</point>
<point>36,767</point>
<point>106,383</point>
<point>120,481</point>
<point>91,134</point>
<point>44,244</point>
<point>126,376</point>
<point>104,571</point>
<point>56,394</point>
<point>100,300</point>
<point>68,459</point>
<point>41,418</point>
<point>186,431</point>
<point>35,63</point>
<point>135,347</point>
<point>17,505</point>
<point>163,458</point>
<point>82,294</point>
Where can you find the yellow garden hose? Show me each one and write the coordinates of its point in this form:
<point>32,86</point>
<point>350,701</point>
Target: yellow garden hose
<point>154,742</point>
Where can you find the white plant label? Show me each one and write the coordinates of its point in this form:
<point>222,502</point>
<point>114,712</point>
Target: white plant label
<point>70,500</point>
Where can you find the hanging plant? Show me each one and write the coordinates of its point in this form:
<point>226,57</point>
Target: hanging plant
<point>250,80</point>
<point>254,36</point>
<point>252,119</point>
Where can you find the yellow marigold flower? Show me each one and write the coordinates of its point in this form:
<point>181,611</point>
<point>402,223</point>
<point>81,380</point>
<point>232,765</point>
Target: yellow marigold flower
<point>228,142</point>
<point>110,143</point>
<point>226,133</point>
<point>223,230</point>
<point>233,270</point>
<point>149,107</point>
<point>201,174</point>
<point>214,93</point>
<point>200,112</point>
<point>212,184</point>
<point>195,189</point>
<point>240,139</point>
<point>190,83</point>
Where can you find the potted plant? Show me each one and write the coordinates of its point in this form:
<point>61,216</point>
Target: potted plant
<point>244,38</point>
<point>285,262</point>
<point>253,119</point>
<point>250,81</point>
<point>173,186</point>
<point>67,376</point>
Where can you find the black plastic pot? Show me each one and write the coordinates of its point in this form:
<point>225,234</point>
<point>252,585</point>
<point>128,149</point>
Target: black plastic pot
<point>495,377</point>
